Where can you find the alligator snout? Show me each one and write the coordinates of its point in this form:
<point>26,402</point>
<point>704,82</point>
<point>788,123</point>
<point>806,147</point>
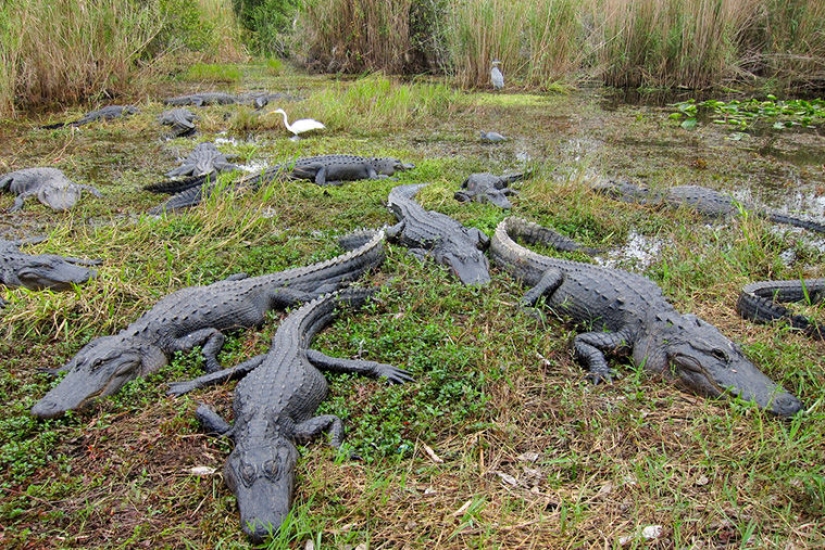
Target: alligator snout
<point>786,405</point>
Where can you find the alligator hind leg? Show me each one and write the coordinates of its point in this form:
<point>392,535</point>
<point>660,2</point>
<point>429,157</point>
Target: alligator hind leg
<point>216,377</point>
<point>547,285</point>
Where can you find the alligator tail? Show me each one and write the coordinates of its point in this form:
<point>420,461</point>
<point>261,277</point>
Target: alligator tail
<point>185,199</point>
<point>757,303</point>
<point>796,222</point>
<point>533,233</point>
<point>176,186</point>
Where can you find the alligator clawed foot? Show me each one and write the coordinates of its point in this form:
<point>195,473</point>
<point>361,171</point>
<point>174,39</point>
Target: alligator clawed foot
<point>601,376</point>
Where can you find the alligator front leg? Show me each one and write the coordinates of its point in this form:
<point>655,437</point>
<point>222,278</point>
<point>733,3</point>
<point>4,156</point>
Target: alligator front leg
<point>367,368</point>
<point>212,421</point>
<point>217,377</point>
<point>329,422</point>
<point>590,348</point>
<point>211,341</point>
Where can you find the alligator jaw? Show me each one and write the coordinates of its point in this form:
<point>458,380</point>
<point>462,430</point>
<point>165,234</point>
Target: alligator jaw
<point>101,368</point>
<point>705,362</point>
<point>52,272</point>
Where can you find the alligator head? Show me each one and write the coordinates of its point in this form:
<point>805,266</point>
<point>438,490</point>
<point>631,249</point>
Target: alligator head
<point>101,368</point>
<point>389,166</point>
<point>699,358</point>
<point>51,271</point>
<point>261,474</point>
<point>59,197</point>
<point>465,261</point>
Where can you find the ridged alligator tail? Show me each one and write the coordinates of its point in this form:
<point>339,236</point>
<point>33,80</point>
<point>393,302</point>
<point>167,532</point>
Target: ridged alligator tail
<point>760,302</point>
<point>629,314</point>
<point>275,406</point>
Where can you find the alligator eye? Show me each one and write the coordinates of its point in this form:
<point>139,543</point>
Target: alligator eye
<point>247,472</point>
<point>720,355</point>
<point>271,468</point>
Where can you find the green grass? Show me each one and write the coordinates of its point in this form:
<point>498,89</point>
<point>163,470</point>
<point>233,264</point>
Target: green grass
<point>500,439</point>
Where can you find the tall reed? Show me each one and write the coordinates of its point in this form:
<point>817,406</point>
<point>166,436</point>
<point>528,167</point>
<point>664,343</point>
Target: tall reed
<point>692,43</point>
<point>357,35</point>
<point>68,51</point>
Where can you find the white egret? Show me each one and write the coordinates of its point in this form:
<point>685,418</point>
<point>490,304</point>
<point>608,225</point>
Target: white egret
<point>301,125</point>
<point>496,77</point>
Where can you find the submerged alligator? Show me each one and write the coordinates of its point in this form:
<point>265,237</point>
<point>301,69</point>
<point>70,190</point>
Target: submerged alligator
<point>707,202</point>
<point>760,302</point>
<point>205,160</point>
<point>106,113</point>
<point>438,236</point>
<point>629,314</point>
<point>40,271</point>
<point>323,170</point>
<point>49,185</point>
<point>181,120</point>
<point>274,407</point>
<point>486,187</point>
<point>196,316</point>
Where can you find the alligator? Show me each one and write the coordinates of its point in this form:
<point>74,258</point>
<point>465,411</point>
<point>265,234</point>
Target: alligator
<point>444,239</point>
<point>760,302</point>
<point>40,271</point>
<point>628,314</point>
<point>49,185</point>
<point>274,407</point>
<point>486,187</point>
<point>205,160</point>
<point>202,98</point>
<point>106,113</point>
<point>258,99</point>
<point>334,169</point>
<point>196,316</point>
<point>181,120</point>
<point>323,170</point>
<point>707,202</point>
<point>492,137</point>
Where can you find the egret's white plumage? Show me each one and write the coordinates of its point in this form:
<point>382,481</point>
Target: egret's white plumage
<point>496,77</point>
<point>301,125</point>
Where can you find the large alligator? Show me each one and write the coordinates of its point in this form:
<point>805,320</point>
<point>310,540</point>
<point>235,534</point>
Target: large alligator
<point>323,170</point>
<point>258,99</point>
<point>438,236</point>
<point>49,185</point>
<point>40,271</point>
<point>181,120</point>
<point>202,98</point>
<point>274,407</point>
<point>487,187</point>
<point>205,160</point>
<point>707,202</point>
<point>760,302</point>
<point>105,113</point>
<point>627,313</point>
<point>196,316</point>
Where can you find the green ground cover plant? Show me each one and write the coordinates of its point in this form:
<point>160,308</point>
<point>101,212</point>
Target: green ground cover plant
<point>500,442</point>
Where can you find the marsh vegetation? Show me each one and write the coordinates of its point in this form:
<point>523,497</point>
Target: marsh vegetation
<point>501,441</point>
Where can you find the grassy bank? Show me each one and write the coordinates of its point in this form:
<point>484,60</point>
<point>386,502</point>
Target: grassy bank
<point>501,441</point>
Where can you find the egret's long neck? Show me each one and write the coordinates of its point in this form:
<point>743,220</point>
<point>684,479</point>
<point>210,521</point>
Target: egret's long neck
<point>286,122</point>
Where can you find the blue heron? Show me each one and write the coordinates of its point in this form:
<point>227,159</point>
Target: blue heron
<point>496,77</point>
